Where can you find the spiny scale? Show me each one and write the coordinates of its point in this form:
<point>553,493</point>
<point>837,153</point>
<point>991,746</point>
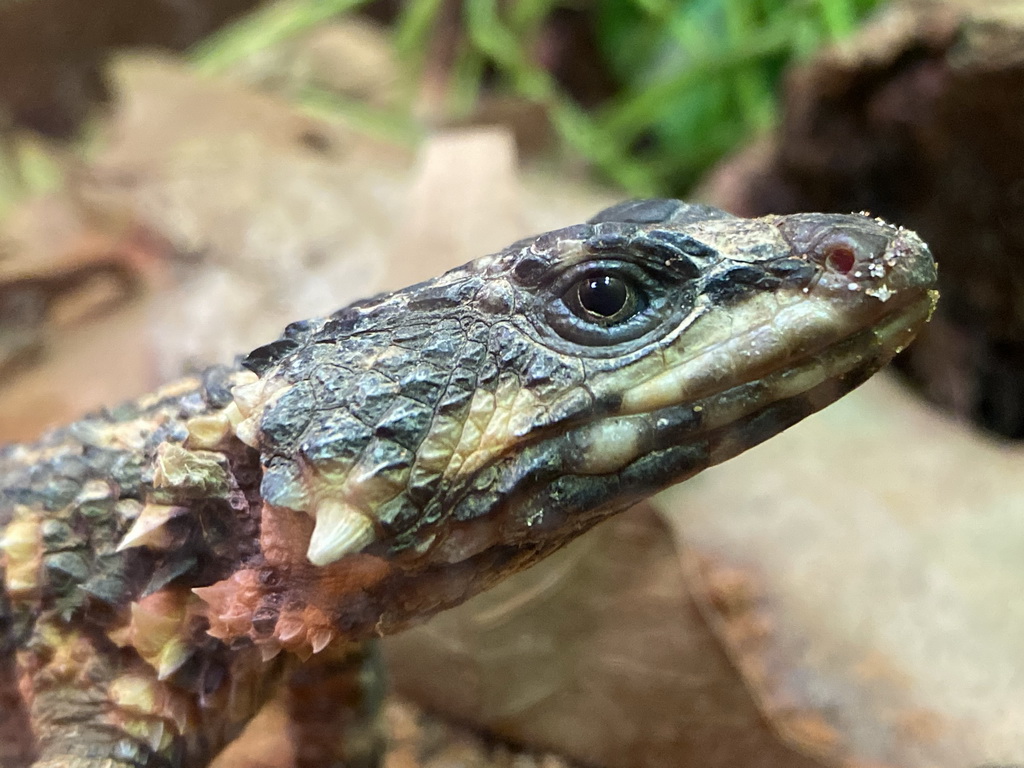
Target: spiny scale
<point>340,530</point>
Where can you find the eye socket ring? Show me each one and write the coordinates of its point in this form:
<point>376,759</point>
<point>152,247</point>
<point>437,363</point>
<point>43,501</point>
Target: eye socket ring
<point>606,307</point>
<point>603,298</point>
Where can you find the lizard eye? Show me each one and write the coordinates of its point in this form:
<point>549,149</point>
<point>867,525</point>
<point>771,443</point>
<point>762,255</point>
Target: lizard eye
<point>603,298</point>
<point>605,304</point>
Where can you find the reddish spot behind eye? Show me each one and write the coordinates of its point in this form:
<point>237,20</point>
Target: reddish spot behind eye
<point>841,258</point>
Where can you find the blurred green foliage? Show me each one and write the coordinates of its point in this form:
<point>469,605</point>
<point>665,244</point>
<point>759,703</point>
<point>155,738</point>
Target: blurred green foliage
<point>695,78</point>
<point>26,167</point>
<point>699,77</point>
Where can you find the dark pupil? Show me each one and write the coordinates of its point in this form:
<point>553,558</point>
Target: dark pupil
<point>604,295</point>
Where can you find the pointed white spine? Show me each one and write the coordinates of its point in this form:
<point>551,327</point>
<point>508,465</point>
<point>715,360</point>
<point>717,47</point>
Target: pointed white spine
<point>146,530</point>
<point>339,530</point>
<point>248,397</point>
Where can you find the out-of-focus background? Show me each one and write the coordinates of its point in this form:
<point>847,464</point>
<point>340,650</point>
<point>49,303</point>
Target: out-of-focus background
<point>181,178</point>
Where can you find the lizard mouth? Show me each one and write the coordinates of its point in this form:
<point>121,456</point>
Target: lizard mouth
<point>712,396</point>
<point>568,481</point>
<point>737,418</point>
<point>711,391</point>
<point>677,427</point>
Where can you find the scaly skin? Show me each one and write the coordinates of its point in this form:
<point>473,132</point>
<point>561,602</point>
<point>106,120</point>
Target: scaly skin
<point>167,563</point>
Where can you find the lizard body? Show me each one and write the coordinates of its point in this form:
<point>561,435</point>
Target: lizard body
<point>166,564</point>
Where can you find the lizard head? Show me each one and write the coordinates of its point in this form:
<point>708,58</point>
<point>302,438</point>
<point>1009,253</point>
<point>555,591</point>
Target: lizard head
<point>478,421</point>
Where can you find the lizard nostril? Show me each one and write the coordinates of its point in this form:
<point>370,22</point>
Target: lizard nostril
<point>841,258</point>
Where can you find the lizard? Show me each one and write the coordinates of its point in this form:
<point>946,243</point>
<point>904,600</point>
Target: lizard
<point>169,563</point>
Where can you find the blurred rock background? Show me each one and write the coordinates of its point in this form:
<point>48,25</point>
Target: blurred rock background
<point>179,179</point>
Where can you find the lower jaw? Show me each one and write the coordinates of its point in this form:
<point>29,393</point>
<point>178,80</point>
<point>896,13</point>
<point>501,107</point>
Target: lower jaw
<point>746,415</point>
<point>774,417</point>
<point>733,421</point>
<point>730,423</point>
